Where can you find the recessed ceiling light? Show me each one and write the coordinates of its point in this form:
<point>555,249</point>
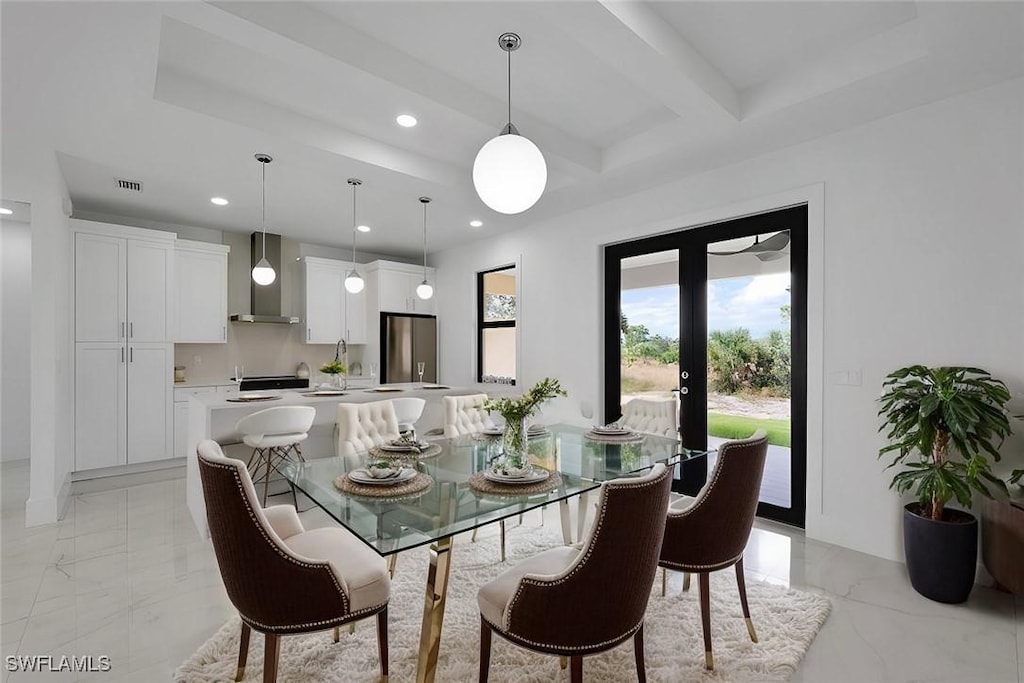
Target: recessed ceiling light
<point>219,201</point>
<point>405,120</point>
<point>363,228</point>
<point>475,224</point>
<point>5,211</point>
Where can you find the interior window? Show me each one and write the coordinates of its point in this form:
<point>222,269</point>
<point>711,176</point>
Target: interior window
<point>496,332</point>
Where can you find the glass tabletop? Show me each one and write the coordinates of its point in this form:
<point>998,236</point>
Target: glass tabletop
<point>451,506</point>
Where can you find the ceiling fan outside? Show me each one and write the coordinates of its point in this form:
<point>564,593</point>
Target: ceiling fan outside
<point>769,250</point>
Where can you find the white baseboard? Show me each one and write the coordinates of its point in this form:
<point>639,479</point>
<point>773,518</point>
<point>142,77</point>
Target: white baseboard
<point>120,470</point>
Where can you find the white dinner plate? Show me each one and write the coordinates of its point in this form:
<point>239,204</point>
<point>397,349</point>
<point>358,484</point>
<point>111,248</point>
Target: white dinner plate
<point>612,431</point>
<point>493,431</point>
<point>361,476</point>
<point>497,477</point>
<point>403,448</point>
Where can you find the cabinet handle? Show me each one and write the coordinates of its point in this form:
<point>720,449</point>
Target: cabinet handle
<point>122,354</point>
<point>122,330</point>
<point>307,334</point>
<point>131,354</point>
<point>225,332</point>
<point>131,330</point>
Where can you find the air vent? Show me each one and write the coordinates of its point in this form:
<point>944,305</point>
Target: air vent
<point>130,185</point>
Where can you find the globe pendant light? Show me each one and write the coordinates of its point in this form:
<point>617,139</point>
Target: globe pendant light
<point>509,172</point>
<point>263,273</point>
<point>424,290</point>
<point>354,281</point>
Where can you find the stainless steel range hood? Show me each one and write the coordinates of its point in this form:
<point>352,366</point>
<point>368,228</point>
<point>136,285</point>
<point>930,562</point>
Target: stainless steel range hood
<point>265,300</point>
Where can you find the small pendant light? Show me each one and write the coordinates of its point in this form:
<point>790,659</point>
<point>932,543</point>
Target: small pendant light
<point>354,281</point>
<point>424,290</point>
<point>263,273</point>
<point>509,172</point>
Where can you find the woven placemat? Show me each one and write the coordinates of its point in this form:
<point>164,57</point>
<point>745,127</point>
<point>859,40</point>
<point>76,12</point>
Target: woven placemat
<point>634,437</point>
<point>429,452</point>
<point>417,484</point>
<point>479,482</point>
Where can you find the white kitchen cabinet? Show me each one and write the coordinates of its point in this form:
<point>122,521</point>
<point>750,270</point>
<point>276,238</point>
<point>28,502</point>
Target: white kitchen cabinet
<point>100,413</point>
<point>396,289</point>
<point>124,359</point>
<point>180,429</point>
<point>150,402</point>
<point>123,287</point>
<point>201,281</point>
<point>355,317</point>
<point>324,300</point>
<point>99,288</point>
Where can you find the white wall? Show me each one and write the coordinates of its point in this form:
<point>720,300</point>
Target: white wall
<point>16,305</point>
<point>916,248</point>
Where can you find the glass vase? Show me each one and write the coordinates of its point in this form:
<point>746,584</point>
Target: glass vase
<point>341,381</point>
<point>513,442</point>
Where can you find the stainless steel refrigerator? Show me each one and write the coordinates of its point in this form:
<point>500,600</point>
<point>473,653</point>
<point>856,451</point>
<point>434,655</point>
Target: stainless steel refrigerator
<point>408,341</point>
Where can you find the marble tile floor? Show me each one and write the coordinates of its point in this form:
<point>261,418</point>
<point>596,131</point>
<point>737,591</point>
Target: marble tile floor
<point>125,574</point>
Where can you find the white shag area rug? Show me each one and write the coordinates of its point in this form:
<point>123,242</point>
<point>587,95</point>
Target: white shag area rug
<point>786,621</point>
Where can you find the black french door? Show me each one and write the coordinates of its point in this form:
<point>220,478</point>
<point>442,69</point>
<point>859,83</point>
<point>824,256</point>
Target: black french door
<point>657,283</point>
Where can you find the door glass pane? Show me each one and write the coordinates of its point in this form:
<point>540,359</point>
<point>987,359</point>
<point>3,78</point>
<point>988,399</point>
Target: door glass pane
<point>749,351</point>
<point>649,326</point>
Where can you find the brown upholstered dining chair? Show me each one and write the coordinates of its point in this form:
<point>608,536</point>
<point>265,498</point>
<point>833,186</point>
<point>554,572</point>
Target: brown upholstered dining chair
<point>281,578</point>
<point>574,601</point>
<point>712,532</point>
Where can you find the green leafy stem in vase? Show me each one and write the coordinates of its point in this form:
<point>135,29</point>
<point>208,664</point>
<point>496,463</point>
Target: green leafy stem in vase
<point>515,411</point>
<point>335,367</point>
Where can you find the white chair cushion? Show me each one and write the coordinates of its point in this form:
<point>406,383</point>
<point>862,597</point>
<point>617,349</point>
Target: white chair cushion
<point>362,572</point>
<point>465,415</point>
<point>361,426</point>
<point>658,416</point>
<point>273,440</point>
<point>494,597</point>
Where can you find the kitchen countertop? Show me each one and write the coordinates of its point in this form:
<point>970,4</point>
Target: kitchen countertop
<point>220,401</point>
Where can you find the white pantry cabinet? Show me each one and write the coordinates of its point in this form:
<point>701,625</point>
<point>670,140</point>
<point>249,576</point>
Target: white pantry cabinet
<point>201,279</point>
<point>124,355</point>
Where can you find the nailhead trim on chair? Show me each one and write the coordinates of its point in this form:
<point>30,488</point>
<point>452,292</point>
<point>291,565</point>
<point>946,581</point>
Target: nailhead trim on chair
<point>577,564</point>
<point>571,648</point>
<point>291,558</point>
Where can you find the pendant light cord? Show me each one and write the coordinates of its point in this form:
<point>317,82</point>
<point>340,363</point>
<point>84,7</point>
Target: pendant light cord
<point>424,241</point>
<point>353,225</point>
<point>264,209</point>
<point>509,87</point>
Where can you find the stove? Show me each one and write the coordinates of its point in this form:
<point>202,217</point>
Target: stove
<point>274,382</point>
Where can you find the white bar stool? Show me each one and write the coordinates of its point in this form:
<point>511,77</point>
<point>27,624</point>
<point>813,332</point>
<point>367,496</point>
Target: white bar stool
<point>274,434</point>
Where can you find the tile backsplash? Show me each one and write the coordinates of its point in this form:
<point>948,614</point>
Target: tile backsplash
<point>263,349</point>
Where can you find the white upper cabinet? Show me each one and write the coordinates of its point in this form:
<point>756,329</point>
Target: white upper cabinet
<point>99,288</point>
<point>355,317</point>
<point>201,281</point>
<point>124,284</point>
<point>396,286</point>
<point>324,294</point>
<point>150,291</point>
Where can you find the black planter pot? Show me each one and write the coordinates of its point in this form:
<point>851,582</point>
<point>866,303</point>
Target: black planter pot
<point>941,556</point>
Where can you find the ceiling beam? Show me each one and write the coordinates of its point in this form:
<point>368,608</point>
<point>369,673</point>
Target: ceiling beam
<point>315,30</point>
<point>675,72</point>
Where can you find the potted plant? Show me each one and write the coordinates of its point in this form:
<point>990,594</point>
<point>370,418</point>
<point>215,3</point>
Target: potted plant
<point>516,411</point>
<point>945,426</point>
<point>337,370</point>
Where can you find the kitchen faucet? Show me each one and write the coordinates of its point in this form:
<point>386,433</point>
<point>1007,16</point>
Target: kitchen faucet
<point>340,349</point>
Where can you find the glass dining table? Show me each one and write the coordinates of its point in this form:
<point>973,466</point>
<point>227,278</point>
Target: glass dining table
<point>452,506</point>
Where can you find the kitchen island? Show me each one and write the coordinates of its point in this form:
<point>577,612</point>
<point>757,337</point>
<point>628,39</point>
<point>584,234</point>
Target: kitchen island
<point>214,416</point>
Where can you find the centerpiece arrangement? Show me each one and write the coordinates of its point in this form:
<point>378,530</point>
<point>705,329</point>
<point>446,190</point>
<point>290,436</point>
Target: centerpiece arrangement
<point>337,370</point>
<point>514,458</point>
